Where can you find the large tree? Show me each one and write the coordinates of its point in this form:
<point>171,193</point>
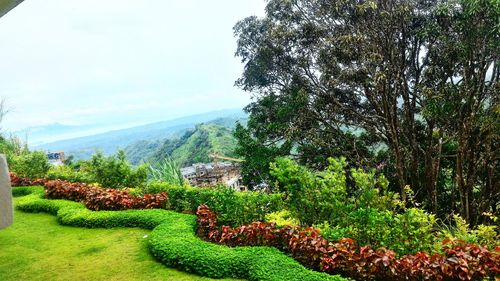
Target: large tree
<point>420,78</point>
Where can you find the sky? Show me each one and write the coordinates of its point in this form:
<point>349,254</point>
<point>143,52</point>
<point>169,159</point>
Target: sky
<point>119,62</point>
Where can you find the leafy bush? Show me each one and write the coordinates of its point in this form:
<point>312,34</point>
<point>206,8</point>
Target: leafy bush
<point>370,227</point>
<point>368,213</point>
<point>459,261</point>
<point>233,208</point>
<point>412,232</point>
<point>96,198</point>
<point>114,171</point>
<point>65,172</point>
<point>282,218</point>
<point>18,181</point>
<point>174,243</point>
<point>481,234</point>
<point>32,165</point>
<point>405,233</point>
<point>313,197</point>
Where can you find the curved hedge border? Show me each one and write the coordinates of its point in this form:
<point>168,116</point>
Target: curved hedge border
<point>173,241</point>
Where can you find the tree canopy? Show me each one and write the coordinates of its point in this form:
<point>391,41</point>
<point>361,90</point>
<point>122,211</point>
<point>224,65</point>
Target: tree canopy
<point>411,86</point>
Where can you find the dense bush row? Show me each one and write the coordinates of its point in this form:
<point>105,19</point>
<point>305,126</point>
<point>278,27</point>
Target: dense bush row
<point>234,208</point>
<point>356,203</point>
<point>96,198</point>
<point>67,173</point>
<point>459,261</point>
<point>108,171</point>
<point>174,243</point>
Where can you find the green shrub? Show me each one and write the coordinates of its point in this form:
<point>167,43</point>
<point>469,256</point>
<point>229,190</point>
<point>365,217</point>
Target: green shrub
<point>313,197</point>
<point>370,227</point>
<point>332,233</point>
<point>25,190</point>
<point>114,171</point>
<point>11,147</point>
<point>486,235</point>
<point>371,215</point>
<point>282,218</point>
<point>30,165</point>
<point>413,232</point>
<point>174,243</point>
<point>64,172</point>
<point>233,208</point>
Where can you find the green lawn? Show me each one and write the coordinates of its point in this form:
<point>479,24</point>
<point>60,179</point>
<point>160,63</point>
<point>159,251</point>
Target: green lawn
<point>36,247</point>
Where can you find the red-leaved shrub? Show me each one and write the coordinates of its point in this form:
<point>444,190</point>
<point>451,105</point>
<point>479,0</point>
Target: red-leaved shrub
<point>17,181</point>
<point>96,198</point>
<point>460,261</point>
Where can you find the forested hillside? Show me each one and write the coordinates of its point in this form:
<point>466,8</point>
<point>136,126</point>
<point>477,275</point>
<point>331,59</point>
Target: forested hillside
<point>192,147</point>
<point>150,136</point>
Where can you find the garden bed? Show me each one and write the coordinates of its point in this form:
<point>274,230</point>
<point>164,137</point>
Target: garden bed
<point>173,241</point>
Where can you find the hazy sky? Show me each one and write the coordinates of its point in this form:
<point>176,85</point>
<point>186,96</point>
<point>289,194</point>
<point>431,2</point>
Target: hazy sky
<point>117,61</point>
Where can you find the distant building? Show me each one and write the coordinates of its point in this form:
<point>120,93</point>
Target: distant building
<point>56,158</point>
<point>212,174</point>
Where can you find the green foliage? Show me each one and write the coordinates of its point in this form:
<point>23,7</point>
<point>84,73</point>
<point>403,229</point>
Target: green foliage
<point>65,172</point>
<point>11,146</point>
<point>174,243</point>
<point>372,191</point>
<point>233,208</point>
<point>347,78</point>
<point>370,226</point>
<point>196,145</point>
<point>365,211</point>
<point>25,190</point>
<point>413,231</point>
<point>255,169</point>
<point>282,218</point>
<point>166,171</point>
<point>30,165</point>
<point>313,197</point>
<point>486,235</point>
<point>114,171</point>
<point>332,233</point>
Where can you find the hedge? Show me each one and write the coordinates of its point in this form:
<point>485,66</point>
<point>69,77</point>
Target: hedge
<point>174,243</point>
<point>233,208</point>
<point>458,260</point>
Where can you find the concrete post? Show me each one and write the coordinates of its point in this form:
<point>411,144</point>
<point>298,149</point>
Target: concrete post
<point>6,213</point>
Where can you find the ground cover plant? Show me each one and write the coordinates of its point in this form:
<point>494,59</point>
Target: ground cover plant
<point>173,241</point>
<point>38,248</point>
<point>458,261</point>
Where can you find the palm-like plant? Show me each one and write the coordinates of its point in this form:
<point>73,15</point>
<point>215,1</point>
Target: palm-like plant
<point>166,170</point>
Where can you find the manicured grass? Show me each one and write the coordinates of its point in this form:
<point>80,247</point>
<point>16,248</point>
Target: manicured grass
<point>37,247</point>
<point>174,243</point>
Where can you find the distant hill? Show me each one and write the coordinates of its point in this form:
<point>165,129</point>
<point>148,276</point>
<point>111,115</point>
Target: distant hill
<point>152,135</point>
<point>194,146</point>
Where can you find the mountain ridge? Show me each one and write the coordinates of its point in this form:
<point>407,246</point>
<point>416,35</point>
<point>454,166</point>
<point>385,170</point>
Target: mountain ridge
<point>109,142</point>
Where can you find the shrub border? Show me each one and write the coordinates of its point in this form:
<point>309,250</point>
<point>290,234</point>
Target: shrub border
<point>174,243</point>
